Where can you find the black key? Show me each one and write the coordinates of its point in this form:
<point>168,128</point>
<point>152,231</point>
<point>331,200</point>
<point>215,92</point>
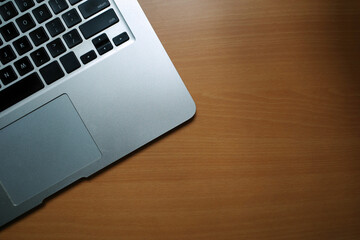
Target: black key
<point>39,36</point>
<point>7,75</point>
<point>20,90</point>
<point>24,4</point>
<point>73,2</point>
<point>70,62</point>
<point>72,38</point>
<point>102,44</point>
<point>56,47</point>
<point>52,72</point>
<point>25,22</point>
<point>42,13</point>
<point>23,66</point>
<point>1,42</point>
<point>91,7</point>
<point>9,32</point>
<point>104,48</point>
<point>8,11</point>
<point>40,57</point>
<point>99,23</point>
<point>39,1</point>
<point>58,5</point>
<point>22,45</point>
<point>6,54</point>
<point>55,27</point>
<point>120,39</point>
<point>71,18</point>
<point>100,40</point>
<point>88,57</point>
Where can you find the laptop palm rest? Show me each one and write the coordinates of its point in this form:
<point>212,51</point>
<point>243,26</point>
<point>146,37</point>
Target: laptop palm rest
<point>52,144</point>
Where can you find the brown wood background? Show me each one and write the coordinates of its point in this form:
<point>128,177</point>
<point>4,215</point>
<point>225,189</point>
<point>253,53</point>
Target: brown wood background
<point>273,152</point>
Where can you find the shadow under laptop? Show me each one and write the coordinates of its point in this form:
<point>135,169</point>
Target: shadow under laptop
<point>25,215</point>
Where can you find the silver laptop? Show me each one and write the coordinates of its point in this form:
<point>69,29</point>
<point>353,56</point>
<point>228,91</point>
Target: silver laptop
<point>82,84</point>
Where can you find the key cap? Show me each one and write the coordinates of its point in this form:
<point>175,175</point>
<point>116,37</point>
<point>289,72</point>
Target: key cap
<point>40,57</point>
<point>120,39</point>
<point>39,36</point>
<point>8,11</point>
<point>88,57</point>
<point>20,90</point>
<point>105,48</point>
<point>58,5</point>
<point>72,38</point>
<point>42,13</point>
<point>98,23</point>
<point>92,7</point>
<point>9,32</point>
<point>102,44</point>
<point>23,66</point>
<point>71,18</point>
<point>73,2</point>
<point>22,45</point>
<point>7,75</point>
<point>6,55</point>
<point>25,22</point>
<point>52,72</point>
<point>24,4</point>
<point>56,47</point>
<point>55,27</point>
<point>70,62</point>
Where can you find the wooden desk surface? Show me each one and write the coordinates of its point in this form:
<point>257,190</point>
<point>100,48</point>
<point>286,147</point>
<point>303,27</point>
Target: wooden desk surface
<point>273,152</point>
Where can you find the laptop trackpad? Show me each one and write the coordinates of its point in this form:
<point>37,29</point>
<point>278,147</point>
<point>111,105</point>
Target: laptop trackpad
<point>43,148</point>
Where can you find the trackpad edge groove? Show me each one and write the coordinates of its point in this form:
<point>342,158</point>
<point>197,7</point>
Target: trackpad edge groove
<point>43,148</point>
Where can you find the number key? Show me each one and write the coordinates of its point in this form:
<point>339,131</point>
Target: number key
<point>58,5</point>
<point>24,4</point>
<point>73,2</point>
<point>8,11</point>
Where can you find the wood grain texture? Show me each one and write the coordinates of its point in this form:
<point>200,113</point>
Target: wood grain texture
<point>273,152</point>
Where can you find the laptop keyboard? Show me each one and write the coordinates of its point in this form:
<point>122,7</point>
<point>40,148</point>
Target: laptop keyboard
<point>39,38</point>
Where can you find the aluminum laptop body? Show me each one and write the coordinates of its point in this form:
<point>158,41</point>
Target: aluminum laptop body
<point>103,107</point>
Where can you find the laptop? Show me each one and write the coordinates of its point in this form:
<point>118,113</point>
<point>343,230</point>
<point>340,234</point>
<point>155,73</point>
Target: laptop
<point>82,84</point>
